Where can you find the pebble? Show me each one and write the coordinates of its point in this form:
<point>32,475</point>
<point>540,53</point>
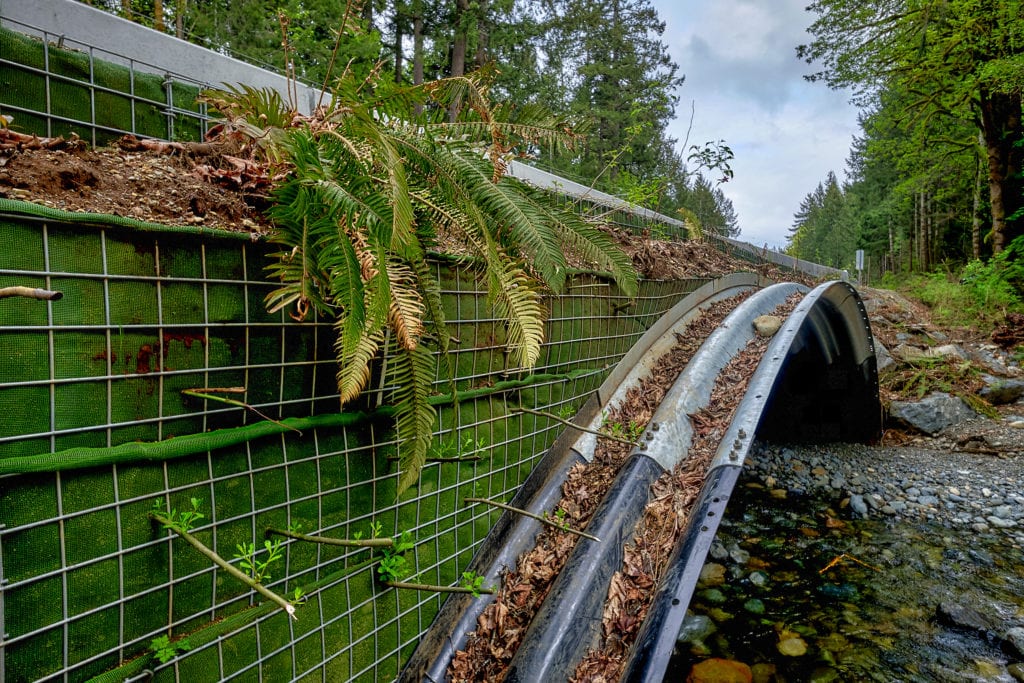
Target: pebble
<point>973,491</point>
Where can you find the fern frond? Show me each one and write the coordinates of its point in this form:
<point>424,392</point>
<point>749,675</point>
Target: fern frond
<point>514,299</point>
<point>406,313</point>
<point>505,214</point>
<point>354,353</point>
<point>580,236</point>
<point>411,371</point>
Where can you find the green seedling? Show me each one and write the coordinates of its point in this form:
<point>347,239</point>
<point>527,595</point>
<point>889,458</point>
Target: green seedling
<point>185,521</point>
<point>164,650</point>
<point>475,583</point>
<point>392,565</point>
<point>626,432</point>
<point>298,597</point>
<point>468,445</point>
<point>252,565</point>
<point>558,519</point>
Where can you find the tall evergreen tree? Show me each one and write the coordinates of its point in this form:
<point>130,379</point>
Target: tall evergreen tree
<point>947,55</point>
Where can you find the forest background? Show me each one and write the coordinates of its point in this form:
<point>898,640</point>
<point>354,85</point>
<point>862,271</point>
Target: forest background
<point>934,181</point>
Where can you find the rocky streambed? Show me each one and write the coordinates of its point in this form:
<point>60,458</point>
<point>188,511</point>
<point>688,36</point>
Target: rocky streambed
<point>848,562</point>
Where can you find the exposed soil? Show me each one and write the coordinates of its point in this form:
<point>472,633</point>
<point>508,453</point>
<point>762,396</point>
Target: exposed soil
<point>167,188</point>
<point>208,185</point>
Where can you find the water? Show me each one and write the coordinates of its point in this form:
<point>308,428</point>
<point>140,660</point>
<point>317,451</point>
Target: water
<point>872,615</point>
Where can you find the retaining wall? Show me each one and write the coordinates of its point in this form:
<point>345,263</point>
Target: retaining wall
<point>96,430</point>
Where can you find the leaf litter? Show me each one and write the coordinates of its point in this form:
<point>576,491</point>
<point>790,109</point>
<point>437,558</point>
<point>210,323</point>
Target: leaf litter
<point>673,497</point>
<point>503,624</point>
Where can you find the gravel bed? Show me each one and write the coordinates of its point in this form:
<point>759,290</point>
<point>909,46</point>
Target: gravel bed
<point>923,482</point>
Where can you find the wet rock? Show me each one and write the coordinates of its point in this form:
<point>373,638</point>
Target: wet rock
<point>713,596</point>
<point>767,325</point>
<point>758,578</point>
<point>932,414</point>
<point>1014,639</point>
<point>792,647</point>
<point>999,391</point>
<point>754,606</point>
<point>695,628</point>
<point>763,672</point>
<point>955,615</point>
<point>712,574</point>
<point>1017,671</point>
<point>824,674</point>
<point>859,505</point>
<point>720,671</point>
<point>845,592</point>
<point>739,555</point>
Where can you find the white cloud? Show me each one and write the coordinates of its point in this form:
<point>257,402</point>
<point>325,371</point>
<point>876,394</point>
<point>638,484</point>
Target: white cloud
<point>747,88</point>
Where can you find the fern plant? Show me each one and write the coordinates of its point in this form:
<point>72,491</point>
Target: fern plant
<point>373,178</point>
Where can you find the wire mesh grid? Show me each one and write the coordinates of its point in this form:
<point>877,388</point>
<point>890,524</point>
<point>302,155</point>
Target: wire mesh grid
<point>88,582</point>
<point>55,85</point>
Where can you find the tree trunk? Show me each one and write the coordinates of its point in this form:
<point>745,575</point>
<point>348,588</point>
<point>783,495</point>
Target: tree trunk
<point>399,23</point>
<point>1001,127</point>
<point>459,47</point>
<point>483,34</point>
<point>976,204</point>
<point>417,47</point>
<point>179,19</point>
<point>158,15</point>
<point>417,42</point>
<point>461,39</point>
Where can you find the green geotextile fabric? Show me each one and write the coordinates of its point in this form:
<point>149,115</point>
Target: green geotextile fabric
<point>207,634</point>
<point>21,209</point>
<point>176,447</point>
<point>183,446</point>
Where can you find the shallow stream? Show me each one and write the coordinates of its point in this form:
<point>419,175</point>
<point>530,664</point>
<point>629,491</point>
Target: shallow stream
<point>799,591</point>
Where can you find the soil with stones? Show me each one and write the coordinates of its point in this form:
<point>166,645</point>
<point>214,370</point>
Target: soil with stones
<point>207,185</point>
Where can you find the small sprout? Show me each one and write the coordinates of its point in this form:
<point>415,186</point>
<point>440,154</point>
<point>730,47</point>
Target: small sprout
<point>186,521</point>
<point>475,583</point>
<point>392,565</point>
<point>164,650</point>
<point>258,569</point>
<point>298,597</point>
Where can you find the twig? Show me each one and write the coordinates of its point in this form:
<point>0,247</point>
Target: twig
<point>225,565</point>
<point>206,392</point>
<point>30,293</point>
<point>543,520</point>
<point>846,556</point>
<point>334,53</point>
<point>437,589</point>
<point>459,458</point>
<point>347,542</point>
<point>606,435</point>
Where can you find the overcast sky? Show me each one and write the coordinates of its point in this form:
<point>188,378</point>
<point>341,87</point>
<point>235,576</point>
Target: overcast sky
<point>747,88</point>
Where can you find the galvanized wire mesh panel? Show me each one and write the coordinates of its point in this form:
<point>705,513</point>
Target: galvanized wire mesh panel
<point>59,86</point>
<point>88,581</point>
